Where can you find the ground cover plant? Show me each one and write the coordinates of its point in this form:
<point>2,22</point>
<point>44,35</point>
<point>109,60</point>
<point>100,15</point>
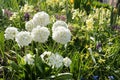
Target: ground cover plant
<point>59,39</point>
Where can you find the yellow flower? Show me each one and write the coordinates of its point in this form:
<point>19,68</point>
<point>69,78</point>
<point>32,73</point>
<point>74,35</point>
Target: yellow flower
<point>55,0</point>
<point>15,15</point>
<point>86,56</point>
<point>101,60</point>
<point>115,10</point>
<point>89,24</point>
<point>88,3</point>
<point>96,55</point>
<point>71,1</point>
<point>27,8</point>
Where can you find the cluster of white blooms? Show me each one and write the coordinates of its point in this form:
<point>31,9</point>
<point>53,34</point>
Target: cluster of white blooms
<point>28,58</point>
<point>41,19</point>
<point>55,60</point>
<point>67,61</point>
<point>10,33</point>
<point>61,33</point>
<point>29,25</point>
<point>23,38</point>
<point>40,34</point>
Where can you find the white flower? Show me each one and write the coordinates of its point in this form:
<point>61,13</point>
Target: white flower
<point>29,25</point>
<point>28,58</point>
<point>40,34</point>
<point>67,61</point>
<point>55,60</point>
<point>23,38</point>
<point>41,18</point>
<point>59,24</point>
<point>61,35</point>
<point>45,56</point>
<point>10,33</point>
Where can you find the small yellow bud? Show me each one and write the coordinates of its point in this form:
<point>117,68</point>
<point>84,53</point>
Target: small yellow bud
<point>101,61</point>
<point>115,10</point>
<point>71,1</point>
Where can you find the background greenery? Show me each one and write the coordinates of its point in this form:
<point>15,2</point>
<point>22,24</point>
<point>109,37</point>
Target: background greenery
<point>84,49</point>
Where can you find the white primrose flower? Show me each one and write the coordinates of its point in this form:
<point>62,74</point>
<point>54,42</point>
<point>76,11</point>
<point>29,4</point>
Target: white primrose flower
<point>29,25</point>
<point>40,34</point>
<point>23,38</point>
<point>41,18</point>
<point>45,56</point>
<point>67,61</point>
<point>55,60</point>
<point>61,35</point>
<point>28,58</point>
<point>59,24</point>
<point>10,33</point>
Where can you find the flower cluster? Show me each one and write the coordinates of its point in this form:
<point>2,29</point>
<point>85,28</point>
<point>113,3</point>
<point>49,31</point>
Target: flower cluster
<point>23,38</point>
<point>41,18</point>
<point>55,60</point>
<point>27,8</point>
<point>38,33</point>
<point>61,33</point>
<point>10,33</point>
<point>29,25</point>
<point>89,24</point>
<point>34,30</point>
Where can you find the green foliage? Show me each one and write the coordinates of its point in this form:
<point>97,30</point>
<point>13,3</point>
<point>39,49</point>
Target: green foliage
<point>2,43</point>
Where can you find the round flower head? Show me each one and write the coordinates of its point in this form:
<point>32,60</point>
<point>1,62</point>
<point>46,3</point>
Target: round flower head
<point>40,34</point>
<point>10,33</point>
<point>55,60</point>
<point>23,38</point>
<point>61,35</point>
<point>59,24</point>
<point>29,25</point>
<point>28,58</point>
<point>67,61</point>
<point>41,18</point>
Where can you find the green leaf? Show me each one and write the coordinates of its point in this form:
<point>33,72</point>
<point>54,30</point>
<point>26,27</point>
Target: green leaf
<point>62,76</point>
<point>2,42</point>
<point>14,66</point>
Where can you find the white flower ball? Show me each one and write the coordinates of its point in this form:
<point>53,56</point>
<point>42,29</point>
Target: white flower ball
<point>67,61</point>
<point>41,19</point>
<point>23,38</point>
<point>29,25</point>
<point>61,35</point>
<point>28,58</point>
<point>40,34</point>
<point>59,24</point>
<point>10,33</point>
<point>55,60</point>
